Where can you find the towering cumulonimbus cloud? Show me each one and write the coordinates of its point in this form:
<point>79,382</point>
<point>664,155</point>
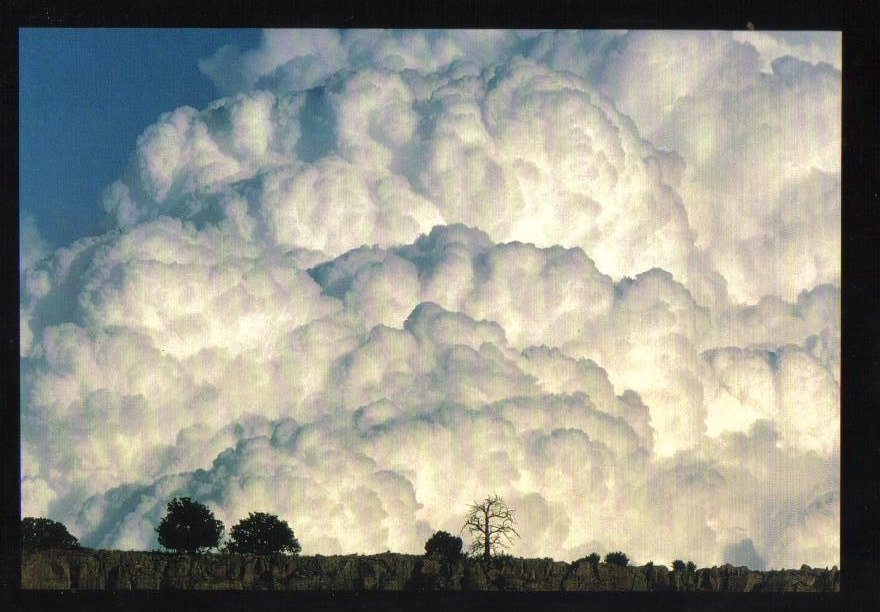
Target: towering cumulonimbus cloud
<point>762,179</point>
<point>391,272</point>
<point>520,151</point>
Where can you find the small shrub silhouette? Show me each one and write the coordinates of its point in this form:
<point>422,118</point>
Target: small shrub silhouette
<point>593,559</point>
<point>617,558</point>
<point>678,565</point>
<point>444,544</point>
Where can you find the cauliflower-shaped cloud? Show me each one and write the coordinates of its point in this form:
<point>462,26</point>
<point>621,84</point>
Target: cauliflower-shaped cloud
<point>392,272</point>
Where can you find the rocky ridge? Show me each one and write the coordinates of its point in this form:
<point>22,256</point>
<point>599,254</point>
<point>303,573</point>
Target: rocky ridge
<point>107,570</point>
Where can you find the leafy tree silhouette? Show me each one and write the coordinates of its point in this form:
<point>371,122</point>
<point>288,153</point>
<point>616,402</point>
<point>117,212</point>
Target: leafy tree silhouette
<point>189,527</point>
<point>262,534</point>
<point>44,533</point>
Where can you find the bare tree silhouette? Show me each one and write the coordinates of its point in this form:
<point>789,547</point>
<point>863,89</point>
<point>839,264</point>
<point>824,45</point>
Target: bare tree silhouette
<point>490,522</point>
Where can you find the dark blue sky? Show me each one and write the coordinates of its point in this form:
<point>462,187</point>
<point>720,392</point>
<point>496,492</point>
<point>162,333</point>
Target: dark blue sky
<point>84,97</point>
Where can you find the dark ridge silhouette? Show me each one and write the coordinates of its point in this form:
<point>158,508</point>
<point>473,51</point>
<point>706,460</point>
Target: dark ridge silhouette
<point>109,570</point>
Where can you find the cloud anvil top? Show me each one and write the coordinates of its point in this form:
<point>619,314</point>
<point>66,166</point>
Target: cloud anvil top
<point>387,272</point>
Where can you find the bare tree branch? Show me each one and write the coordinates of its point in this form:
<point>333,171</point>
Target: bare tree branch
<point>488,522</point>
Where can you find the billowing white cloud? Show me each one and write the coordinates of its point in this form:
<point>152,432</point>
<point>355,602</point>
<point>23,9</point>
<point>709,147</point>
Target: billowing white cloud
<point>32,246</point>
<point>296,62</point>
<point>393,272</point>
<point>761,180</point>
<point>813,47</point>
<point>377,156</point>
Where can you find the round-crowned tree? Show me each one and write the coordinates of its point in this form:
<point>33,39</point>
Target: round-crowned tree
<point>262,534</point>
<point>189,527</point>
<point>617,558</point>
<point>44,533</point>
<point>593,559</point>
<point>678,565</point>
<point>444,544</point>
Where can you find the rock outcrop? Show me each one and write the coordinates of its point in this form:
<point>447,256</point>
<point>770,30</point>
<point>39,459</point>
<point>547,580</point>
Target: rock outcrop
<point>87,569</point>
